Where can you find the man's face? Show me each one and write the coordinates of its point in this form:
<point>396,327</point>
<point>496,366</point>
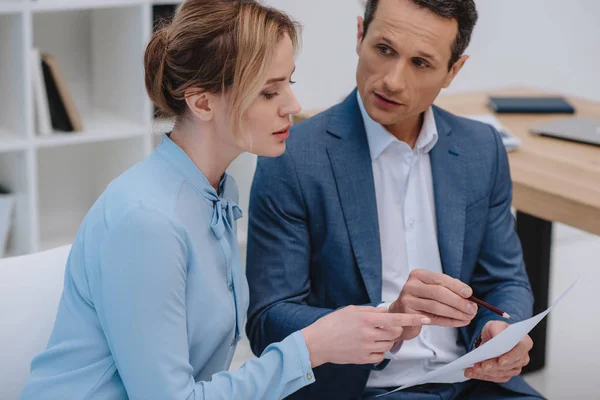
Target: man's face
<point>403,61</point>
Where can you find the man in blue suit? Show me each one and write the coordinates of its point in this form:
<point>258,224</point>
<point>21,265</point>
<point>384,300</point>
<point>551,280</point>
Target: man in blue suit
<point>390,201</point>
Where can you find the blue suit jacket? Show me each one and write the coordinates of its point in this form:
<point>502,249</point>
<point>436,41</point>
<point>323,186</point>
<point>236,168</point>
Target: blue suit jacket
<point>313,243</point>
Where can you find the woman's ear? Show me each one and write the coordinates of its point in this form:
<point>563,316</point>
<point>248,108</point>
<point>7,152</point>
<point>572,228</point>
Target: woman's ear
<point>200,103</point>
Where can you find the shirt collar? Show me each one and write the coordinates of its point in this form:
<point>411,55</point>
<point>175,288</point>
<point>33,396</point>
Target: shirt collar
<point>379,138</point>
<point>192,174</point>
<point>225,211</point>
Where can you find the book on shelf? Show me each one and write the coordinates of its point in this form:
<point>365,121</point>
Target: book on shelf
<point>54,106</point>
<point>63,104</point>
<point>41,107</point>
<point>7,204</point>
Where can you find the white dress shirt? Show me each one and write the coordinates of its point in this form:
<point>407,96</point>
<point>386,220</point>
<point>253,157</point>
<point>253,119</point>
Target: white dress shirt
<point>408,233</point>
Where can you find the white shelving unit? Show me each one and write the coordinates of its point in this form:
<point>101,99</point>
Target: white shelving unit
<point>99,46</point>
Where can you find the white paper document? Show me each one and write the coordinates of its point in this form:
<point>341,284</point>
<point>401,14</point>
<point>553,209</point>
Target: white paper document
<point>504,342</point>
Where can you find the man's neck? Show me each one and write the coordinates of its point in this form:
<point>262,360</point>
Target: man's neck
<point>407,130</point>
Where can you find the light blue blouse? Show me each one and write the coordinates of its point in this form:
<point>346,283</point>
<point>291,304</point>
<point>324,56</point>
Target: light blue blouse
<point>155,297</point>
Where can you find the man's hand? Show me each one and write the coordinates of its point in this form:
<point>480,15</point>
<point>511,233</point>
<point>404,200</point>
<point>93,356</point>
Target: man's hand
<point>503,368</point>
<point>437,296</point>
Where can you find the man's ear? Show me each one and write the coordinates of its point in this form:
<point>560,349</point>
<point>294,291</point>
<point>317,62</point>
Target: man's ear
<point>200,103</point>
<point>455,69</point>
<point>360,30</point>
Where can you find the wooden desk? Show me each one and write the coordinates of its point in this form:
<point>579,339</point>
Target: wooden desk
<point>553,180</point>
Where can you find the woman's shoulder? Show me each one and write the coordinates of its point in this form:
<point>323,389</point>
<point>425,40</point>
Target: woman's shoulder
<point>147,187</point>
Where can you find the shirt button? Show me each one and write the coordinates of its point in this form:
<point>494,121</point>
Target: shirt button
<point>231,287</point>
<point>309,377</point>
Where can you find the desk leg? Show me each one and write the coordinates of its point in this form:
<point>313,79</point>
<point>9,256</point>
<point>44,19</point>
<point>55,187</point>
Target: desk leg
<point>536,239</point>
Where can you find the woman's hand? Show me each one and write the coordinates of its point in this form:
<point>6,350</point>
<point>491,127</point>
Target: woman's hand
<point>356,335</point>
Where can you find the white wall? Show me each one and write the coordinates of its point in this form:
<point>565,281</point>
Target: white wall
<point>553,44</point>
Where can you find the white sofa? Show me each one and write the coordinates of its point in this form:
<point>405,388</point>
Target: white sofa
<point>30,290</point>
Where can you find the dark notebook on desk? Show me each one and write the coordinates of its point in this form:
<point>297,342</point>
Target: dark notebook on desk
<point>530,105</point>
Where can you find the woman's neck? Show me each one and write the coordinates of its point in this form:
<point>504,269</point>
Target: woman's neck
<point>203,146</point>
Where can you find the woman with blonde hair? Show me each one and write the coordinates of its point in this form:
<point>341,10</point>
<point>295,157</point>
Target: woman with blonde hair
<point>155,297</point>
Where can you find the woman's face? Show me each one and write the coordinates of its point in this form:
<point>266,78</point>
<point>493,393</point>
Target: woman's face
<point>267,120</point>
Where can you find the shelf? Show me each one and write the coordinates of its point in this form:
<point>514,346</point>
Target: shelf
<point>40,6</point>
<point>100,53</point>
<point>11,6</point>
<point>11,142</point>
<point>99,127</point>
<point>99,47</point>
<point>66,5</point>
<point>13,176</point>
<point>166,2</point>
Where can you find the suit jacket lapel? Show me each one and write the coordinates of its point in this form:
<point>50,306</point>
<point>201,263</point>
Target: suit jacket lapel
<point>449,184</point>
<point>350,160</point>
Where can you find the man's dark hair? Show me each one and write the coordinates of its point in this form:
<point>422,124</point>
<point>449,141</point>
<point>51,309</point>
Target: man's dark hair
<point>463,11</point>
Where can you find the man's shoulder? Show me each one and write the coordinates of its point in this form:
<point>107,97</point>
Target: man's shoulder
<point>471,133</point>
<point>306,149</point>
<point>312,130</point>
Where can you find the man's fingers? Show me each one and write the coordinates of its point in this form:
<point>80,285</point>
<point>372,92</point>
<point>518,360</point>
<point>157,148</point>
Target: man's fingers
<point>434,307</point>
<point>493,329</point>
<point>410,332</point>
<point>495,368</point>
<point>448,322</point>
<point>444,295</point>
<point>509,367</point>
<point>375,358</point>
<point>382,347</point>
<point>493,371</point>
<point>390,333</point>
<point>514,372</point>
<point>435,278</point>
<point>495,379</point>
<point>520,363</point>
<point>489,366</point>
<point>518,353</point>
<point>500,378</point>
